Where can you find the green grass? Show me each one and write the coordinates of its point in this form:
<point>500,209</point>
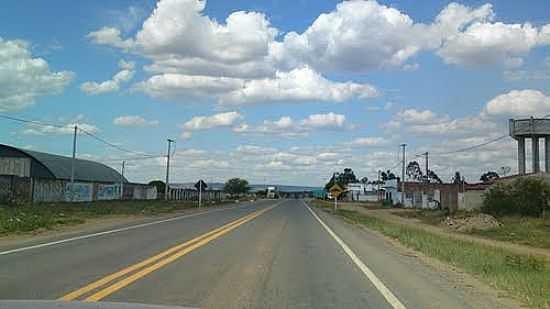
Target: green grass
<point>526,277</point>
<point>29,218</point>
<point>432,217</point>
<point>533,232</point>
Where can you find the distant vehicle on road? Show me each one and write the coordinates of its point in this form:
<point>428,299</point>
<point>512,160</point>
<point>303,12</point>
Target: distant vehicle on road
<point>272,192</point>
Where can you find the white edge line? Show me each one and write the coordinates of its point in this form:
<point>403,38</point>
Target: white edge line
<point>132,227</point>
<point>388,295</point>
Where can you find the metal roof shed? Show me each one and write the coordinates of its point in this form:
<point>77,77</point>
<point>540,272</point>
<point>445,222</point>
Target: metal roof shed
<point>45,165</point>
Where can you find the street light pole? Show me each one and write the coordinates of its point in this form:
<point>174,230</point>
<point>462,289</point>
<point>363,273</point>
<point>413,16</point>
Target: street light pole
<point>170,141</point>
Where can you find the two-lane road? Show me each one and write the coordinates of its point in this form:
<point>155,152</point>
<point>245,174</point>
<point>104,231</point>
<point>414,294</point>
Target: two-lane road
<point>268,254</point>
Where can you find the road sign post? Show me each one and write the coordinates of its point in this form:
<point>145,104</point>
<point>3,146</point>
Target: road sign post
<point>336,191</point>
<point>199,186</point>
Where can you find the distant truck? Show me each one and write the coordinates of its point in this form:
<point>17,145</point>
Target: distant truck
<point>272,193</point>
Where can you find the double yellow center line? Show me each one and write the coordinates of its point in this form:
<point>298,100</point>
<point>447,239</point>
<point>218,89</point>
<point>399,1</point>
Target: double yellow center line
<point>149,265</point>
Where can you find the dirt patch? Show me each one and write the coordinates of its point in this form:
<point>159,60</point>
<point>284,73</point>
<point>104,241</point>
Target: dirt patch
<point>480,222</point>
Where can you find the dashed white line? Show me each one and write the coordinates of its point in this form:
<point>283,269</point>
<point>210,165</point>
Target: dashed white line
<point>132,227</point>
<point>388,295</point>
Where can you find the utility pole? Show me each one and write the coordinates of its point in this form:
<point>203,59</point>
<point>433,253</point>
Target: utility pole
<point>122,181</point>
<point>73,162</point>
<point>427,170</point>
<point>403,176</point>
<point>378,185</point>
<point>170,141</point>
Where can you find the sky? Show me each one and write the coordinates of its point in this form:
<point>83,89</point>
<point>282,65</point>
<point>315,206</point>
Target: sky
<point>284,92</point>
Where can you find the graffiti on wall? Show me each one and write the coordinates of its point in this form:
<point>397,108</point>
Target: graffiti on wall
<point>79,192</point>
<point>108,192</point>
<point>46,190</point>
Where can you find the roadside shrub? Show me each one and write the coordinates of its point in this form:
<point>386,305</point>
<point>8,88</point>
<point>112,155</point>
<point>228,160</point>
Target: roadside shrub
<point>526,196</point>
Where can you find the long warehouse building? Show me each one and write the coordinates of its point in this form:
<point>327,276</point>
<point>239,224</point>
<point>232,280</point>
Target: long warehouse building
<point>27,175</point>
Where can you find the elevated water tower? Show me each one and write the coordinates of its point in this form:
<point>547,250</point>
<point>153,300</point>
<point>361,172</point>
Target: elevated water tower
<point>533,128</point>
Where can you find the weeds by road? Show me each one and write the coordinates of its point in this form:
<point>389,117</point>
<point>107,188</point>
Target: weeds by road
<point>524,276</point>
<point>529,231</point>
<point>533,232</point>
<point>47,216</point>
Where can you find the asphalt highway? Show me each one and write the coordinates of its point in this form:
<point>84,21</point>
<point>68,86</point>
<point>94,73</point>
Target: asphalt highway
<point>266,254</point>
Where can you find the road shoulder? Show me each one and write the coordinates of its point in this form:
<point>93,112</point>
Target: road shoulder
<point>399,268</point>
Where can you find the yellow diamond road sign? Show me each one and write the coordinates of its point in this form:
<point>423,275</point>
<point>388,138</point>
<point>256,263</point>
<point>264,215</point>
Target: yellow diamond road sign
<point>336,190</point>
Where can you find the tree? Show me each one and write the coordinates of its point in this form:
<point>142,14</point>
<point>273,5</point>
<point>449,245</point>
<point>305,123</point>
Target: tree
<point>526,196</point>
<point>347,176</point>
<point>332,181</point>
<point>159,184</point>
<point>413,171</point>
<point>490,176</point>
<point>235,186</point>
<point>433,176</point>
<point>457,179</point>
<point>342,179</point>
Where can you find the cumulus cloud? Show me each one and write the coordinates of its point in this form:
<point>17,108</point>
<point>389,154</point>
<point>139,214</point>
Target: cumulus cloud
<point>357,36</point>
<point>243,60</point>
<point>23,78</point>
<point>369,141</point>
<point>300,84</point>
<point>207,122</point>
<point>541,73</point>
<point>330,120</point>
<point>290,128</point>
<point>185,135</point>
<point>414,116</point>
<point>255,150</point>
<point>519,103</point>
<point>110,36</point>
<point>490,43</point>
<point>427,122</point>
<point>124,75</point>
<point>179,38</point>
<point>169,86</point>
<point>134,121</point>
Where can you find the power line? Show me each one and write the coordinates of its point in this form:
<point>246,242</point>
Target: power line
<point>35,122</point>
<point>466,148</point>
<point>51,124</point>
<point>130,158</point>
<point>114,145</point>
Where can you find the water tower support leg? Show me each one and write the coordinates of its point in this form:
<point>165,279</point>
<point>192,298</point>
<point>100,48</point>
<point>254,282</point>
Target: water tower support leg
<point>547,153</point>
<point>521,155</point>
<point>536,158</point>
